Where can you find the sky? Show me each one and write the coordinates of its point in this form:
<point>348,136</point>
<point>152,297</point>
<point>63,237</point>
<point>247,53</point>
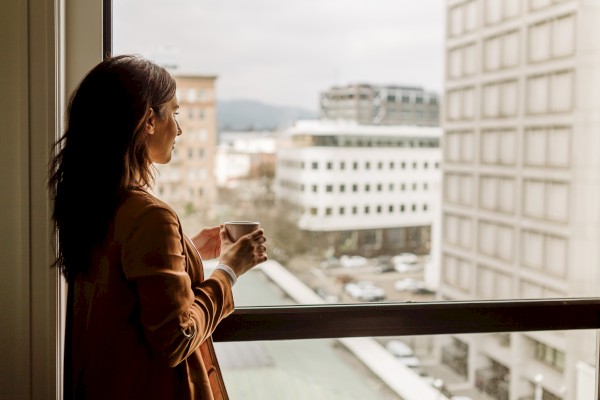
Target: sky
<point>285,52</point>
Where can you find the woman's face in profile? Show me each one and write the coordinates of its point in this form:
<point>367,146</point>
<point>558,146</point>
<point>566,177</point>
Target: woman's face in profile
<point>163,131</point>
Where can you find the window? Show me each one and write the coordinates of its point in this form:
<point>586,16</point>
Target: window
<point>550,93</point>
<point>547,146</point>
<point>496,127</point>
<point>552,38</point>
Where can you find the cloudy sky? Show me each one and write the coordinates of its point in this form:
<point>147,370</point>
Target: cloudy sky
<point>285,52</point>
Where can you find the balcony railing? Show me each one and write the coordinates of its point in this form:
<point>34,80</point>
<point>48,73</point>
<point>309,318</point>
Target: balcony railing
<point>397,319</point>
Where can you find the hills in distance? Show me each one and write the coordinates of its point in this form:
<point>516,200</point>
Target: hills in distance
<point>252,115</point>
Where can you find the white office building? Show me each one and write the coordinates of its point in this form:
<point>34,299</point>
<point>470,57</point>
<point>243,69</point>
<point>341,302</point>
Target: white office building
<point>521,171</point>
<point>345,177</point>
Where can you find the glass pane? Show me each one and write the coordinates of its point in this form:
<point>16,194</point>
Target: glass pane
<point>322,120</point>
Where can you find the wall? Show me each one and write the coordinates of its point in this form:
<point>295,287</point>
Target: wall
<point>31,75</point>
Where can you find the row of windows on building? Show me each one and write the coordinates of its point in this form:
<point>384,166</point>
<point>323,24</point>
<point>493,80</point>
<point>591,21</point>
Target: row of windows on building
<point>488,282</point>
<point>192,113</point>
<point>350,141</point>
<point>178,191</point>
<point>389,113</point>
<point>540,199</point>
<point>549,39</point>
<point>463,17</point>
<point>542,146</point>
<point>194,94</point>
<point>354,188</point>
<point>539,251</point>
<point>546,93</point>
<point>368,209</point>
<point>192,153</point>
<point>364,100</point>
<point>355,165</point>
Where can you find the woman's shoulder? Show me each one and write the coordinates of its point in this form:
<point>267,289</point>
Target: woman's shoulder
<point>143,197</point>
<point>138,203</point>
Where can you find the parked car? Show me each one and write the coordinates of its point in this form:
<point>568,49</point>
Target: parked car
<point>406,262</point>
<point>404,267</point>
<point>406,258</point>
<point>384,264</point>
<point>412,285</point>
<point>408,284</point>
<point>353,261</point>
<point>399,349</point>
<point>403,353</point>
<point>410,362</point>
<point>328,297</point>
<point>365,291</point>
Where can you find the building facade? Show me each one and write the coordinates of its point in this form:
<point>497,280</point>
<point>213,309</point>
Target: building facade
<point>380,105</point>
<point>326,173</point>
<point>520,166</point>
<point>188,183</point>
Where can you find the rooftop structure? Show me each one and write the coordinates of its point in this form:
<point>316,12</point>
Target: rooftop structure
<point>380,105</point>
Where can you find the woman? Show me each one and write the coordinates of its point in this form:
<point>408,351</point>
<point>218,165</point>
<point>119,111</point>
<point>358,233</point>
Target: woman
<point>140,312</point>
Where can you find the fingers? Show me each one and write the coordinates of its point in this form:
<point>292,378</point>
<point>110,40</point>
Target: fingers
<point>257,234</point>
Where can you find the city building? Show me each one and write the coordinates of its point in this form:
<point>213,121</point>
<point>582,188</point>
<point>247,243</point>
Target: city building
<point>520,167</point>
<point>188,182</point>
<point>370,184</point>
<point>243,156</point>
<point>381,105</point>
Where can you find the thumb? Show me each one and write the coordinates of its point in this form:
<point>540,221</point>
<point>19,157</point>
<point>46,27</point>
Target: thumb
<point>224,236</point>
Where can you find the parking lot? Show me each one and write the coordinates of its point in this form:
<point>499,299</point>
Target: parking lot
<point>329,281</point>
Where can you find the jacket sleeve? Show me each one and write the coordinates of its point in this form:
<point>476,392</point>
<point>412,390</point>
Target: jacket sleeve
<point>176,318</point>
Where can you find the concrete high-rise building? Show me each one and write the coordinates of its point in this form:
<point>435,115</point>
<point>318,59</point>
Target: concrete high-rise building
<point>521,173</point>
<point>188,182</point>
<point>381,105</point>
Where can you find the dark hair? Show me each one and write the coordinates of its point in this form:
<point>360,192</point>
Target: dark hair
<point>103,152</point>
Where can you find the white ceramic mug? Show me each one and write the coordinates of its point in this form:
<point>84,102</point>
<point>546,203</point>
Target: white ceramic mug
<point>237,229</point>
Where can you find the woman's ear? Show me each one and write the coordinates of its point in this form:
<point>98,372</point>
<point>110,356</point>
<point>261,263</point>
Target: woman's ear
<point>150,121</point>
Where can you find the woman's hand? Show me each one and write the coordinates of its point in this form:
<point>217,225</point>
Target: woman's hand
<point>208,242</point>
<point>245,253</point>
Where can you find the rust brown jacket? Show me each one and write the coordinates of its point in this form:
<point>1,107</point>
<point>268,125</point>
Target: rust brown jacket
<point>139,322</point>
